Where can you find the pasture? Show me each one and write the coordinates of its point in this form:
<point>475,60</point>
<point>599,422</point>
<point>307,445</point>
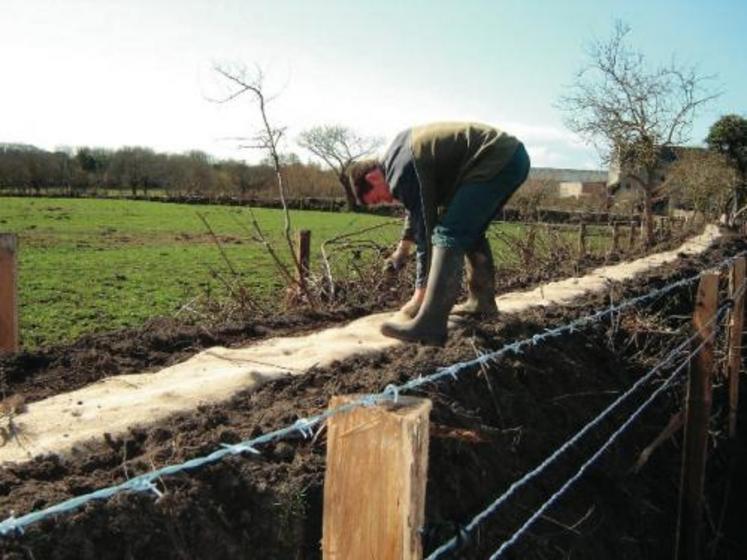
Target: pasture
<point>88,265</point>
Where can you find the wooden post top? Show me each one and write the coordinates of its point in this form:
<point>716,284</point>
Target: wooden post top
<point>404,406</point>
<point>9,340</point>
<point>374,488</point>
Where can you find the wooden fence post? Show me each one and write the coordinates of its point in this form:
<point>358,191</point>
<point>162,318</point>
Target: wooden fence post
<point>304,250</point>
<point>734,349</point>
<point>374,487</point>
<point>582,240</point>
<point>697,413</point>
<point>615,237</point>
<point>8,293</point>
<point>632,236</point>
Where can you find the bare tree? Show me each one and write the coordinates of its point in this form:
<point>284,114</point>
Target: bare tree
<point>630,111</point>
<point>339,147</point>
<point>242,83</point>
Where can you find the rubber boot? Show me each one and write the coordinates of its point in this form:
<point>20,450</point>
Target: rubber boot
<point>480,283</point>
<point>430,324</point>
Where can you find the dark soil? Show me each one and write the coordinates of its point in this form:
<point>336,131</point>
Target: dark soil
<point>487,430</point>
<point>161,342</point>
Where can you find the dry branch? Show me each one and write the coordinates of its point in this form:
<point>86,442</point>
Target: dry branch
<point>267,139</point>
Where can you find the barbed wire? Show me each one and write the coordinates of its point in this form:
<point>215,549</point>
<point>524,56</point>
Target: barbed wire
<point>615,435</point>
<point>486,513</point>
<point>516,347</point>
<point>304,426</point>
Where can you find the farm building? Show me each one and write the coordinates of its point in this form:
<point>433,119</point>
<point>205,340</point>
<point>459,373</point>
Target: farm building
<point>621,180</point>
<point>582,189</point>
<point>569,183</point>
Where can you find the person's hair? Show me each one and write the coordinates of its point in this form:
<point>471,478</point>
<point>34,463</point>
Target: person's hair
<point>357,174</point>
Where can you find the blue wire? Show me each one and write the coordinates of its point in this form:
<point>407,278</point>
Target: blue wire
<point>480,518</point>
<point>303,426</point>
<point>582,470</point>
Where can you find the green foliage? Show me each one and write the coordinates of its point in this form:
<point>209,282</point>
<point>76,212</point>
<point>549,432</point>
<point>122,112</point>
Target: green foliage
<point>728,136</point>
<point>93,265</point>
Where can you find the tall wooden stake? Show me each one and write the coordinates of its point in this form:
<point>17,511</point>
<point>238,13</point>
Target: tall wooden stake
<point>304,250</point>
<point>374,488</point>
<point>582,240</point>
<point>632,235</point>
<point>8,293</point>
<point>697,413</point>
<point>736,324</point>
<point>615,237</point>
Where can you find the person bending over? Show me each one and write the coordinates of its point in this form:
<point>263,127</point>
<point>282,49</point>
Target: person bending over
<point>452,178</point>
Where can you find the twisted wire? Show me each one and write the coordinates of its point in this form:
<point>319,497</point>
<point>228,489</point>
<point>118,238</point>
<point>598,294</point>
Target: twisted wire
<point>486,513</point>
<point>582,470</point>
<point>146,482</point>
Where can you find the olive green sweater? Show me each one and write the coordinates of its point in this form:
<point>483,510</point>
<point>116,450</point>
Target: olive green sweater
<point>425,165</point>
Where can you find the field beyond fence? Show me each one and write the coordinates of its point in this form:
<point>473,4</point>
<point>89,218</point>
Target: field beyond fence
<point>717,325</point>
<point>91,265</point>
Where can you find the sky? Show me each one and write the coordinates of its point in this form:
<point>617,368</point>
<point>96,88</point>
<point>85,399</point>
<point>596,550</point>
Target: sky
<point>115,73</point>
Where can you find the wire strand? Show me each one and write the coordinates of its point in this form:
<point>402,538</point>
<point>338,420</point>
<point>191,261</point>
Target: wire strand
<point>486,513</point>
<point>304,426</point>
<point>582,470</point>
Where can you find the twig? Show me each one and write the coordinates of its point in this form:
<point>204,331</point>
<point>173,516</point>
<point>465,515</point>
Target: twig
<point>494,397</point>
<point>337,239</point>
<point>218,244</point>
<point>675,423</point>
<point>584,394</point>
<point>271,250</point>
<point>188,307</point>
<point>267,140</point>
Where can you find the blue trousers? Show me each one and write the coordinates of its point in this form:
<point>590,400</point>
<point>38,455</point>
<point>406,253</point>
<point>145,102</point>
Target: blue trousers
<point>474,205</point>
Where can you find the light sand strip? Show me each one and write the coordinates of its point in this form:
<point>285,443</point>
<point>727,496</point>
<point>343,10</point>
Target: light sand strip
<point>118,403</point>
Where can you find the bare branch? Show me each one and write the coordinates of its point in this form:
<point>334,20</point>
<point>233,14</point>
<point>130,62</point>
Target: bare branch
<point>338,147</point>
<point>267,139</point>
<point>631,111</point>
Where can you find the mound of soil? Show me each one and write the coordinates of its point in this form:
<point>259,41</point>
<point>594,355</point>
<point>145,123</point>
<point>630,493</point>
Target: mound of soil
<point>164,341</point>
<point>487,430</point>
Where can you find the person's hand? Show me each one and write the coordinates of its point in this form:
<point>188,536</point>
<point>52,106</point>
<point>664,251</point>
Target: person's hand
<point>393,263</point>
<point>398,258</point>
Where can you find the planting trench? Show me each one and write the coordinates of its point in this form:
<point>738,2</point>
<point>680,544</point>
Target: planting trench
<point>269,507</point>
<point>116,404</point>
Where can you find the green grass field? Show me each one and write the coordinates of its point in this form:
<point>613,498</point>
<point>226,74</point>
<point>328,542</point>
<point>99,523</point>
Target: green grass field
<point>91,265</point>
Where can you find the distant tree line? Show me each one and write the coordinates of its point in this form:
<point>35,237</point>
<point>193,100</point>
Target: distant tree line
<point>136,171</point>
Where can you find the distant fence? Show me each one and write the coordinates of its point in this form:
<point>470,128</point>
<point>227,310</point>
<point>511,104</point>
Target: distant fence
<point>334,204</point>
